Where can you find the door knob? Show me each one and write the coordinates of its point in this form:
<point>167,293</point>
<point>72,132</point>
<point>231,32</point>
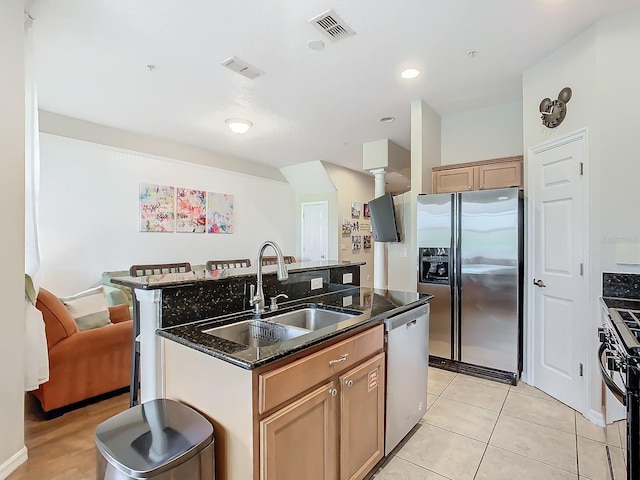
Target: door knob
<point>539,283</point>
<point>349,383</point>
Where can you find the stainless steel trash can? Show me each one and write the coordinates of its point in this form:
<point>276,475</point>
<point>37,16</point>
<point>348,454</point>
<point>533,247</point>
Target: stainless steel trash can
<point>160,439</point>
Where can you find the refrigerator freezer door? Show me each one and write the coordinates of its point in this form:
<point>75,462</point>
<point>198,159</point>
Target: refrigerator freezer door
<point>489,265</point>
<point>435,229</point>
<point>440,321</point>
<point>434,220</point>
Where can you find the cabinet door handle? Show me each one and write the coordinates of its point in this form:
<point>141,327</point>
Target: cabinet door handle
<point>349,383</point>
<point>341,359</point>
<point>333,392</point>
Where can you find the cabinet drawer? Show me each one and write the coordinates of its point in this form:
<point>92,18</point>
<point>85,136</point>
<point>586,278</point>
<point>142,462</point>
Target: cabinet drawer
<point>282,384</point>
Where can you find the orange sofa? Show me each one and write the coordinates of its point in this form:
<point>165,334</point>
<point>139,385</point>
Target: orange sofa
<point>83,364</point>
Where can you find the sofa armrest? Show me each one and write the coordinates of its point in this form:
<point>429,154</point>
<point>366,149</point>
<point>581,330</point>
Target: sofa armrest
<point>119,313</point>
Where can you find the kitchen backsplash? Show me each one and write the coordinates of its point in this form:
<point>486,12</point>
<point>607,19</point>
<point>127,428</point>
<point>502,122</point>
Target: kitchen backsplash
<point>621,285</point>
<point>185,304</point>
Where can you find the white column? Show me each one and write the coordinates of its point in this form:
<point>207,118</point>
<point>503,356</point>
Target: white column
<point>379,248</point>
<point>151,375</point>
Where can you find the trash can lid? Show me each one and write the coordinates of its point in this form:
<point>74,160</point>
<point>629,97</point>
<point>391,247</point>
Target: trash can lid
<point>152,437</point>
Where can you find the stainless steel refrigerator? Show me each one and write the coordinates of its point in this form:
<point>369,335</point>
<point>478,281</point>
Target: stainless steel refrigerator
<point>470,248</point>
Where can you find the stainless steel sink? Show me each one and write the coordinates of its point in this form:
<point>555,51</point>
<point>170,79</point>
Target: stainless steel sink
<point>311,318</point>
<point>256,333</point>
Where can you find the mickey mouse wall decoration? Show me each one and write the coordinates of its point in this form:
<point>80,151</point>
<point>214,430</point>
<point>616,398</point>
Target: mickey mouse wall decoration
<point>554,111</point>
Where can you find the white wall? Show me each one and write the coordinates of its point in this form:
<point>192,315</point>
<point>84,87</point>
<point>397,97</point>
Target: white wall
<point>64,126</point>
<point>599,67</point>
<point>12,253</point>
<point>89,213</point>
<point>353,187</point>
<point>312,184</point>
<point>402,257</point>
<point>492,132</point>
<point>616,152</point>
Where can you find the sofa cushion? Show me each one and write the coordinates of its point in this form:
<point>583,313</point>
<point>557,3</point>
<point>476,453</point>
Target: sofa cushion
<point>111,298</point>
<point>88,308</point>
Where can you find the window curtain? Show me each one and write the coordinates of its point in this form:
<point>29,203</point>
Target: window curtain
<point>36,355</point>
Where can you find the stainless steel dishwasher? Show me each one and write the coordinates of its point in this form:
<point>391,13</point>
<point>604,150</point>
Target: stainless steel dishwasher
<point>407,342</point>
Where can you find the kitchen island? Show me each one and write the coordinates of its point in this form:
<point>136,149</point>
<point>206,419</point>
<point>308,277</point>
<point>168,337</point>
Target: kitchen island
<point>305,407</point>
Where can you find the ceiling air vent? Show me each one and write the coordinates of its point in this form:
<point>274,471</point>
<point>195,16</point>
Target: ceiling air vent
<point>331,25</point>
<point>243,68</point>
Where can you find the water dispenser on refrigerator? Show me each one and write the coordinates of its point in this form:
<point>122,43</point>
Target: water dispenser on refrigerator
<point>433,265</point>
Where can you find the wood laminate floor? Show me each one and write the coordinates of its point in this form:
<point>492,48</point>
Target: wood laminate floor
<point>64,448</point>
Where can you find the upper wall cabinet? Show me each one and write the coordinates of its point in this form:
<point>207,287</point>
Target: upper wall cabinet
<point>483,175</point>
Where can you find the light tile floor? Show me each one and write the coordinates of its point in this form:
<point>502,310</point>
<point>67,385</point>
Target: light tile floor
<point>476,429</point>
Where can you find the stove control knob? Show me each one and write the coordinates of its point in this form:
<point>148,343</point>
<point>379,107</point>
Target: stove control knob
<point>602,334</point>
<point>611,362</point>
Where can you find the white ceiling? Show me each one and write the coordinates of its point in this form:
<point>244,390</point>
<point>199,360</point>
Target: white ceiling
<point>92,57</point>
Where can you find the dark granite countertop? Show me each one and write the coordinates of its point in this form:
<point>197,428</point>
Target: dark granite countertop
<point>189,278</point>
<point>375,305</point>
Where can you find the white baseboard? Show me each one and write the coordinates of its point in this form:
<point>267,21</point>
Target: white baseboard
<point>595,417</point>
<point>12,463</point>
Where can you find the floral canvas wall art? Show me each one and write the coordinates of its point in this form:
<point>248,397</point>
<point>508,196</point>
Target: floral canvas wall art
<point>220,213</point>
<point>157,208</point>
<point>191,210</point>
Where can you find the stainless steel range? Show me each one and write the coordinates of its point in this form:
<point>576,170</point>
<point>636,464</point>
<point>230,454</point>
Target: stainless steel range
<point>619,358</point>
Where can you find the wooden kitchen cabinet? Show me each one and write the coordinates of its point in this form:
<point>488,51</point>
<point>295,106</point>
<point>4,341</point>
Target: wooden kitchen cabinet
<point>454,180</point>
<point>301,439</point>
<point>301,426</point>
<point>483,175</point>
<point>499,175</point>
<point>317,415</point>
<point>362,418</point>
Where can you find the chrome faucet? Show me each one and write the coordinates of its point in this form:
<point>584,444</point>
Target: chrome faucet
<point>257,300</point>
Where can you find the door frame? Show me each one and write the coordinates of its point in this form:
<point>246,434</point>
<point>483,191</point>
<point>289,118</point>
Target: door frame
<point>326,209</point>
<point>585,344</point>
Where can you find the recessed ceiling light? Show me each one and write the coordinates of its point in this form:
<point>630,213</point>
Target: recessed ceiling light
<point>315,44</point>
<point>503,198</point>
<point>410,73</point>
<point>238,125</point>
<point>388,119</point>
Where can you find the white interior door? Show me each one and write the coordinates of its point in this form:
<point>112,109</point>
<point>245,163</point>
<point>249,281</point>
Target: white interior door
<point>314,231</point>
<point>558,287</point>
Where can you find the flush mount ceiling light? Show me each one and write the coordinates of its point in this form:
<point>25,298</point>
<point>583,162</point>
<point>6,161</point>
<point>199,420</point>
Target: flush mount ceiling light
<point>238,125</point>
<point>315,44</point>
<point>388,119</point>
<point>410,73</point>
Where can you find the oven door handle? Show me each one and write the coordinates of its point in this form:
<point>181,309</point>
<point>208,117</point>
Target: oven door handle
<point>611,385</point>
